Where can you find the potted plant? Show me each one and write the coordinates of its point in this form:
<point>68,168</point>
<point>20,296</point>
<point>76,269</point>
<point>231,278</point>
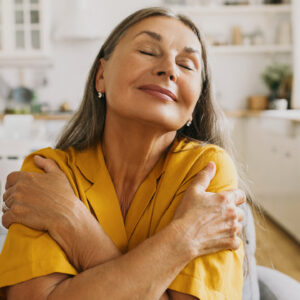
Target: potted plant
<point>274,76</point>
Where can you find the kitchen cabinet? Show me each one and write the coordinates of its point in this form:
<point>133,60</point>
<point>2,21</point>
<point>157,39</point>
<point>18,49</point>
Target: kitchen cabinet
<point>296,57</point>
<point>270,151</point>
<point>237,63</point>
<point>23,134</point>
<point>24,32</point>
<point>265,22</point>
<point>15,146</point>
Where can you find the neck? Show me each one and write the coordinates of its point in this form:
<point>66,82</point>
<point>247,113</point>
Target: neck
<point>131,151</point>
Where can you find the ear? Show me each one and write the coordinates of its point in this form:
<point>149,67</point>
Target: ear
<point>100,86</point>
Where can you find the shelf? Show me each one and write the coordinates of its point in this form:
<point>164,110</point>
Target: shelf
<point>267,49</point>
<point>290,114</point>
<point>231,9</point>
<point>33,61</point>
<point>50,116</point>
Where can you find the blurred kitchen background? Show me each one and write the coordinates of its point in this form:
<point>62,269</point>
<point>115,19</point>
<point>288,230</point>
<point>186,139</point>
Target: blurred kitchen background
<point>47,48</point>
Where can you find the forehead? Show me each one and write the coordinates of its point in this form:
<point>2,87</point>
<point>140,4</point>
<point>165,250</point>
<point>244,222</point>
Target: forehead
<point>173,31</point>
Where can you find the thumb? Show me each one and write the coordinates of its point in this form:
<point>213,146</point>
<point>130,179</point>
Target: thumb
<point>205,176</point>
<point>47,164</point>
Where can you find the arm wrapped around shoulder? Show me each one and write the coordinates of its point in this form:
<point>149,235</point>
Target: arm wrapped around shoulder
<point>29,253</point>
<point>217,275</point>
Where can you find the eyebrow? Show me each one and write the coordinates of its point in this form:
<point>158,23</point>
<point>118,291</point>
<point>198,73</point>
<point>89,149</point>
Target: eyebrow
<point>152,34</point>
<point>158,37</point>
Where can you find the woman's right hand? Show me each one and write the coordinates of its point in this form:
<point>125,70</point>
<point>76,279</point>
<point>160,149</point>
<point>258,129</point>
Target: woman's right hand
<point>211,221</point>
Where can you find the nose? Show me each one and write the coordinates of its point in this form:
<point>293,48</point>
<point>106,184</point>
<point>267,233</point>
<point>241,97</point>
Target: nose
<point>166,68</point>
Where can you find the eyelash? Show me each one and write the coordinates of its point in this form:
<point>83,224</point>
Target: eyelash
<point>151,54</point>
<point>147,53</point>
<point>185,67</point>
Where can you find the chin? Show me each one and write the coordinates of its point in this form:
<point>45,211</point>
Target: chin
<point>165,124</point>
<point>154,116</point>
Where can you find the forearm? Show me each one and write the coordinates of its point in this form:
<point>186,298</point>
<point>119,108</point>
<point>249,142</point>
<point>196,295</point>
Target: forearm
<point>88,245</point>
<point>143,273</point>
<point>83,240</point>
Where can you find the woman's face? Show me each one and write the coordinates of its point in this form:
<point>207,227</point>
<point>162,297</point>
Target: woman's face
<point>154,74</point>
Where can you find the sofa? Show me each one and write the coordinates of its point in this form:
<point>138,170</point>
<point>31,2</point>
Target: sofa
<point>263,283</point>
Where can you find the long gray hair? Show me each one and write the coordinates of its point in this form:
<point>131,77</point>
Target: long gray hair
<point>86,127</point>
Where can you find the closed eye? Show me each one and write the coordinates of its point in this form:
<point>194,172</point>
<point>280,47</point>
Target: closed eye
<point>146,53</point>
<point>152,54</point>
<point>185,67</point>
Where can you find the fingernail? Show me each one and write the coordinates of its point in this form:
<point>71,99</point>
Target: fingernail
<point>38,156</point>
<point>210,165</point>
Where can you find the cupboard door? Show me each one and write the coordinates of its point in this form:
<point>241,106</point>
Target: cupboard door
<point>24,30</point>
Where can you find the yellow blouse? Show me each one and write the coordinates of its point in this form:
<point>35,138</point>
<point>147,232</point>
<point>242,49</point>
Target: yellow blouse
<point>28,253</point>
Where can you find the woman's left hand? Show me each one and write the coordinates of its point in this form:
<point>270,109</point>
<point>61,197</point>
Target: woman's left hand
<point>39,200</point>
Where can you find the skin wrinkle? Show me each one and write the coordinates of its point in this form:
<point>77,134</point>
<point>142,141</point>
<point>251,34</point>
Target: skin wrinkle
<point>138,159</point>
<point>159,38</point>
<point>137,116</point>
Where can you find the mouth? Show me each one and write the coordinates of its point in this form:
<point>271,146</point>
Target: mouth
<point>159,92</point>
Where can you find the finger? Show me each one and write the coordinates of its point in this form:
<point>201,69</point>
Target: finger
<point>228,241</point>
<point>9,202</point>
<point>205,176</point>
<point>7,219</point>
<point>13,178</point>
<point>236,196</point>
<point>231,243</point>
<point>230,228</point>
<point>47,164</point>
<point>239,197</point>
<point>240,214</point>
<point>8,193</point>
<point>224,241</point>
<point>5,208</point>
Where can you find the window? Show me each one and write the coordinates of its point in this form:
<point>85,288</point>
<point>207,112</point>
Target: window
<point>23,30</point>
<point>27,26</point>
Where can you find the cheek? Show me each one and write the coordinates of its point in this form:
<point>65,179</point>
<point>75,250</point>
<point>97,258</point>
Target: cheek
<point>191,93</point>
<point>127,73</point>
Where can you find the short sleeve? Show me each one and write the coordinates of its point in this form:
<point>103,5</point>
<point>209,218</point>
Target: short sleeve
<point>226,177</point>
<point>216,276</point>
<point>29,253</point>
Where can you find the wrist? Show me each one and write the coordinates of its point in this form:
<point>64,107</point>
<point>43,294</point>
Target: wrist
<point>62,228</point>
<point>69,231</point>
<point>81,237</point>
<point>182,243</point>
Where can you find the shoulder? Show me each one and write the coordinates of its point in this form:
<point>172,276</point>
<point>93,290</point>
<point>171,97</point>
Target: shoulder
<point>195,155</point>
<point>78,165</point>
<point>61,157</point>
<point>192,146</point>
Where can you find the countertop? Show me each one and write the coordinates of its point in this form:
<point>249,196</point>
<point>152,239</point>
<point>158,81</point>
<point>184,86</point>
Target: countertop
<point>292,115</point>
<point>51,116</point>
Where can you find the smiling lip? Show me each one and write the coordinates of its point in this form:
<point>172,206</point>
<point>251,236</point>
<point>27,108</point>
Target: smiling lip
<point>158,91</point>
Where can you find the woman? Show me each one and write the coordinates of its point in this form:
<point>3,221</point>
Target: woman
<point>157,219</point>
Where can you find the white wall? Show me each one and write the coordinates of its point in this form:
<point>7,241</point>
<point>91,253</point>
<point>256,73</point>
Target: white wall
<point>72,59</point>
<point>236,76</point>
<point>296,58</point>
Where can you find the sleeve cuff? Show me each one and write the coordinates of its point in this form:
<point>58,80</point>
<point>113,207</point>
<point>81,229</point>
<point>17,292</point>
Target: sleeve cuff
<point>27,272</point>
<point>193,286</point>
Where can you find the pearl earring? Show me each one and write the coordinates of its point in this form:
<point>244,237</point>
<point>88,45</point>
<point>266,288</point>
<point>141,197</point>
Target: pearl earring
<point>100,95</point>
<point>189,123</point>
